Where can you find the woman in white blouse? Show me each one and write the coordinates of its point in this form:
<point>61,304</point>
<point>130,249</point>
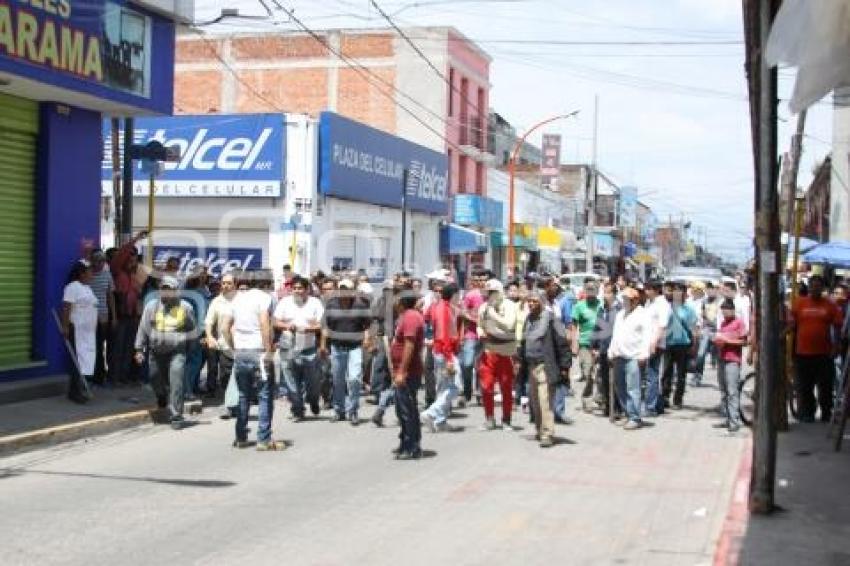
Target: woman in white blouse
<point>79,325</point>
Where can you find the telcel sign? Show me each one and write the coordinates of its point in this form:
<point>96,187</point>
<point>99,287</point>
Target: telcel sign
<point>364,164</point>
<point>218,261</point>
<point>221,156</point>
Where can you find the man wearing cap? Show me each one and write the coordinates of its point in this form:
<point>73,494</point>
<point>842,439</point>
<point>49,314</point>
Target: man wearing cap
<point>165,329</point>
<point>497,330</point>
<point>545,352</point>
<point>634,333</point>
<point>345,334</point>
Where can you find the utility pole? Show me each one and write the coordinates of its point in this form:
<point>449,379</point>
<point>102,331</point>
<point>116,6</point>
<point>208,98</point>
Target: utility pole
<point>763,81</point>
<point>117,223</point>
<point>404,219</point>
<point>127,188</point>
<point>592,189</point>
<point>794,224</point>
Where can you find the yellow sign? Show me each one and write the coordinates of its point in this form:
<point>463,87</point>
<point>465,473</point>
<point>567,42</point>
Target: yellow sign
<point>548,238</point>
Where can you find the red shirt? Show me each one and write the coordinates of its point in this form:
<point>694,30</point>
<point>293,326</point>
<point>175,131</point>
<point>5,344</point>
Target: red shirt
<point>411,325</point>
<point>815,319</point>
<point>734,330</point>
<point>446,336</point>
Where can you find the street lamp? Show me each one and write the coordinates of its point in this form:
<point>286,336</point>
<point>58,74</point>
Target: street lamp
<point>512,171</point>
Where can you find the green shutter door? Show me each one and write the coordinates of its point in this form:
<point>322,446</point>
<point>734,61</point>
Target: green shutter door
<point>18,130</point>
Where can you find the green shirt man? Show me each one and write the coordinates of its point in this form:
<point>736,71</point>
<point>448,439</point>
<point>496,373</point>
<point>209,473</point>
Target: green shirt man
<point>584,318</point>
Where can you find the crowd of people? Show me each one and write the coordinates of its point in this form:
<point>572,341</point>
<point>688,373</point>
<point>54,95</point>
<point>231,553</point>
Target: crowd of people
<point>325,342</point>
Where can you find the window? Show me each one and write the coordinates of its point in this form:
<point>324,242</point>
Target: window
<point>461,174</point>
<point>479,178</point>
<point>451,92</point>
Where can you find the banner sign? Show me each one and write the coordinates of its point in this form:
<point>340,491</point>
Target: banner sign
<point>628,207</point>
<point>550,167</point>
<point>239,155</point>
<point>104,48</point>
<point>360,163</point>
<point>218,261</point>
<point>603,245</point>
<point>477,210</point>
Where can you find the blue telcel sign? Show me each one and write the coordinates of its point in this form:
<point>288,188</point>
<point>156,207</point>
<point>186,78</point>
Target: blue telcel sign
<point>364,164</point>
<point>238,155</point>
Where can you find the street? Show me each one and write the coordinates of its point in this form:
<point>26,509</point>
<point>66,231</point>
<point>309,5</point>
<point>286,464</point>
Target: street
<point>602,495</point>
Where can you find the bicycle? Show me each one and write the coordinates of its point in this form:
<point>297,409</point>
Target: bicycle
<point>747,391</point>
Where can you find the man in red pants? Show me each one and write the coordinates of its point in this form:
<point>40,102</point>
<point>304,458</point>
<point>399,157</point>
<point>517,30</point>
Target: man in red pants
<point>497,319</point>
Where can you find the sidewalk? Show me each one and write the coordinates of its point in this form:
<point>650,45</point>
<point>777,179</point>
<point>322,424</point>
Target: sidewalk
<point>812,526</point>
<point>32,424</point>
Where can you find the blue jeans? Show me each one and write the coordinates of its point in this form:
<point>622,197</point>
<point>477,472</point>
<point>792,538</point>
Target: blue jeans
<point>347,370</point>
<point>470,350</point>
<point>706,348</point>
<point>251,375</point>
<point>559,401</point>
<point>653,403</point>
<point>627,376</point>
<point>301,373</point>
<point>447,390</point>
<point>194,363</point>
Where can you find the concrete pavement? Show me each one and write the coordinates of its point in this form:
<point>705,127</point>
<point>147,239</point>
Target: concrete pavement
<point>601,496</point>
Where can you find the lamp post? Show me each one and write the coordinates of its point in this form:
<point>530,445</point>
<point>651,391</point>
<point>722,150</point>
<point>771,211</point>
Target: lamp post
<point>512,171</point>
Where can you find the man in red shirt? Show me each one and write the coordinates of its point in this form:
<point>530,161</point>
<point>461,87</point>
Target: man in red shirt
<point>817,321</point>
<point>443,317</point>
<point>406,355</point>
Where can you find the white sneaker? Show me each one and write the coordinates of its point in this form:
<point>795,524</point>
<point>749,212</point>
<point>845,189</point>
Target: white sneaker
<point>508,427</point>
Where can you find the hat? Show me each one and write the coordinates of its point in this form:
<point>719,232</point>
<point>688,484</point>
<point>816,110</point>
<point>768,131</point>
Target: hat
<point>170,282</point>
<point>346,284</point>
<point>366,288</point>
<point>438,275</point>
<point>494,285</point>
<point>698,286</point>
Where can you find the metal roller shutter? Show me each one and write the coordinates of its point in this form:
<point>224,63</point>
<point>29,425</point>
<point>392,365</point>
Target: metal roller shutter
<point>18,145</point>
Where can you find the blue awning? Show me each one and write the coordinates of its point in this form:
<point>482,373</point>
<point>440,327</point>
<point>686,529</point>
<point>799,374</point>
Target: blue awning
<point>835,254</point>
<point>456,239</point>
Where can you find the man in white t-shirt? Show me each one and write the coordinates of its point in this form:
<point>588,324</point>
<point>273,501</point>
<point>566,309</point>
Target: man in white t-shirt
<point>248,329</point>
<point>658,310</point>
<point>299,317</point>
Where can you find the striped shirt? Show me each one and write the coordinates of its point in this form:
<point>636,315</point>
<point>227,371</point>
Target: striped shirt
<point>102,284</point>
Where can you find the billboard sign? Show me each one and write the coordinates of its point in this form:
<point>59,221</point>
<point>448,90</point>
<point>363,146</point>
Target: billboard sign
<point>476,210</point>
<point>628,207</point>
<point>105,48</point>
<point>550,167</point>
<point>218,261</point>
<point>360,163</point>
<point>239,155</point>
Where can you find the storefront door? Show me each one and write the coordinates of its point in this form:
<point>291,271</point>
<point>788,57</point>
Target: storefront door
<point>18,145</point>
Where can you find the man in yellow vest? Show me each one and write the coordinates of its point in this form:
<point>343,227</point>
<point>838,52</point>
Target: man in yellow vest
<point>166,326</point>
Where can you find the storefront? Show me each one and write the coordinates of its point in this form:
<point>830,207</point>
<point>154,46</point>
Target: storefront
<point>62,66</point>
<point>365,176</point>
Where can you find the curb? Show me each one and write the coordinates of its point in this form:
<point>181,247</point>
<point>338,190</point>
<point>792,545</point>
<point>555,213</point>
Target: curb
<point>41,438</point>
<point>728,550</point>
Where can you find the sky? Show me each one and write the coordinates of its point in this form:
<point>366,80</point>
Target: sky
<point>668,74</point>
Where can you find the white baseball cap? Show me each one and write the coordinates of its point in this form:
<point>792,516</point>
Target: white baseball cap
<point>494,285</point>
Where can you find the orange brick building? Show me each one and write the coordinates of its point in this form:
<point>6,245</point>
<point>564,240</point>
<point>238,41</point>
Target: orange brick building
<point>385,84</point>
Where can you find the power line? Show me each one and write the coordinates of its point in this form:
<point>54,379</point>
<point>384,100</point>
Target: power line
<point>422,55</point>
<point>365,72</point>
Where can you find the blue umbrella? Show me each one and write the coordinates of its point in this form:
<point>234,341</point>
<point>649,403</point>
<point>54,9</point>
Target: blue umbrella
<point>835,254</point>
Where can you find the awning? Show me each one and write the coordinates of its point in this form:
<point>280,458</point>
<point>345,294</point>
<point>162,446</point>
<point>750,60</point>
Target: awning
<point>456,239</point>
<point>500,240</point>
<point>835,254</point>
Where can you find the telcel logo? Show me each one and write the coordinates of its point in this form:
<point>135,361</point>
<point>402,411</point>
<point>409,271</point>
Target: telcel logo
<point>205,154</point>
<point>427,183</point>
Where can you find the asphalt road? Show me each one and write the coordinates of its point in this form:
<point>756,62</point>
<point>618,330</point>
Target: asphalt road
<point>602,495</point>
